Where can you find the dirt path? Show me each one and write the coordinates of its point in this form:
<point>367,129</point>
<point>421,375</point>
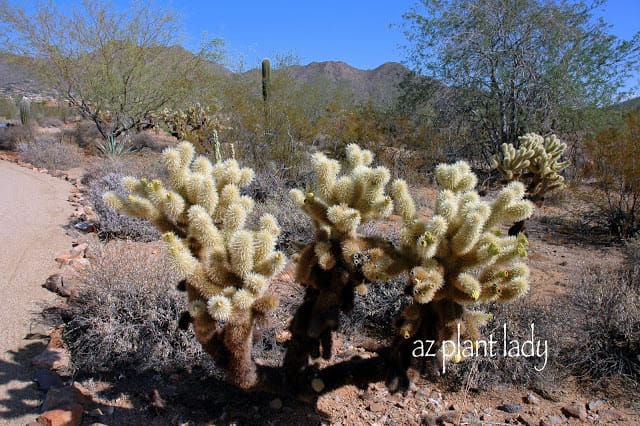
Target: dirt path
<point>33,209</point>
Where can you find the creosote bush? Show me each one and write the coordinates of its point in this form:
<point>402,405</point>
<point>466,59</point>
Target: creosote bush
<point>126,314</point>
<point>452,261</point>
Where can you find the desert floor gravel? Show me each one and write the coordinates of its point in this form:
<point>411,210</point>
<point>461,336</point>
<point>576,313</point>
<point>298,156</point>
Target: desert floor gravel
<point>33,211</point>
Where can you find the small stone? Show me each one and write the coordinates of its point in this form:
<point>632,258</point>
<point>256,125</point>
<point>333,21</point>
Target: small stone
<point>58,397</point>
<point>555,420</point>
<point>594,405</point>
<point>47,379</point>
<point>79,250</point>
<point>576,410</point>
<point>276,404</point>
<point>108,410</point>
<point>69,415</point>
<point>526,420</point>
<point>510,408</point>
<point>96,412</point>
<point>449,417</point>
<point>86,226</point>
<point>532,399</point>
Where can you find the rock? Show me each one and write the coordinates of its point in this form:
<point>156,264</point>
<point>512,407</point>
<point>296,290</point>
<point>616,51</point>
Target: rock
<point>276,404</point>
<point>55,282</point>
<point>79,250</point>
<point>63,259</point>
<point>594,405</point>
<point>59,397</point>
<point>575,410</point>
<point>96,412</point>
<point>47,379</point>
<point>510,408</point>
<point>610,414</point>
<point>53,359</point>
<point>79,264</point>
<point>449,417</point>
<point>86,226</point>
<point>532,399</point>
<point>68,415</point>
<point>56,341</point>
<point>555,420</point>
<point>526,420</point>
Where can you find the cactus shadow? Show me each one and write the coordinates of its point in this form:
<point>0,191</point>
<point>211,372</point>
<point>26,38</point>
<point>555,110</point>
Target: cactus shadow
<point>19,395</point>
<point>199,397</point>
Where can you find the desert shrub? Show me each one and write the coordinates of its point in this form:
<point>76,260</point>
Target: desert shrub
<point>145,141</point>
<point>614,154</point>
<point>52,122</point>
<point>83,134</point>
<point>126,314</point>
<point>132,165</point>
<point>483,372</point>
<point>12,136</point>
<point>608,340</point>
<point>51,154</point>
<point>112,223</point>
<point>271,193</point>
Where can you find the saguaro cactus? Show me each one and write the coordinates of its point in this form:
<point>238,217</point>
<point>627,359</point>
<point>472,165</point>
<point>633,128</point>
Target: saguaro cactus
<point>25,111</point>
<point>266,81</point>
<point>226,267</point>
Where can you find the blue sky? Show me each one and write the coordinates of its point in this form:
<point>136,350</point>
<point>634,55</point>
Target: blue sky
<point>354,31</point>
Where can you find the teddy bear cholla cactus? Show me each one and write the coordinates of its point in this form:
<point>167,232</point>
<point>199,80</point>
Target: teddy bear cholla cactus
<point>536,162</point>
<point>334,265</point>
<point>460,260</point>
<point>226,266</point>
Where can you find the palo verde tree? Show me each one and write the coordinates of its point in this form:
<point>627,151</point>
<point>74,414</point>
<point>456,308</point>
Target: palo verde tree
<point>114,66</point>
<point>522,65</point>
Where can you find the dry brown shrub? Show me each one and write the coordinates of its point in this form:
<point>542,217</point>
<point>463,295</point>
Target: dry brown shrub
<point>126,314</point>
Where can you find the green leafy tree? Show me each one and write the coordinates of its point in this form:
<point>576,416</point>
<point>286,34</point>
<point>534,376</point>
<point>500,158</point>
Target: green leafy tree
<point>521,65</point>
<point>114,66</point>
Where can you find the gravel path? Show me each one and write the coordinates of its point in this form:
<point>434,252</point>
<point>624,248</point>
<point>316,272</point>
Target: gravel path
<point>33,209</point>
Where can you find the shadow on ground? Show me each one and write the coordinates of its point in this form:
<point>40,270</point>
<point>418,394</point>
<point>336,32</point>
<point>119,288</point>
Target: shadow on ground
<point>197,398</point>
<point>20,395</point>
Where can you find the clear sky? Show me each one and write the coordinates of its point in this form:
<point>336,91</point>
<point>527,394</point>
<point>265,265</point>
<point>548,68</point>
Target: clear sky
<point>354,31</point>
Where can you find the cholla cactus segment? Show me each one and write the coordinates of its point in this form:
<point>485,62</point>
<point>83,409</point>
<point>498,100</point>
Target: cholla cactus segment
<point>536,162</point>
<point>342,202</point>
<point>226,266</point>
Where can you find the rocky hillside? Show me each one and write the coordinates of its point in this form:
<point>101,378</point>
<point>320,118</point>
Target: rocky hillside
<point>378,85</point>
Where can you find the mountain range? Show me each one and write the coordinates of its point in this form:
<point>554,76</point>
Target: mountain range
<point>378,85</point>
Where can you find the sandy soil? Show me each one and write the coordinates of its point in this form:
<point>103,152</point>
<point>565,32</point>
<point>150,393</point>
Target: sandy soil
<point>33,210</point>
